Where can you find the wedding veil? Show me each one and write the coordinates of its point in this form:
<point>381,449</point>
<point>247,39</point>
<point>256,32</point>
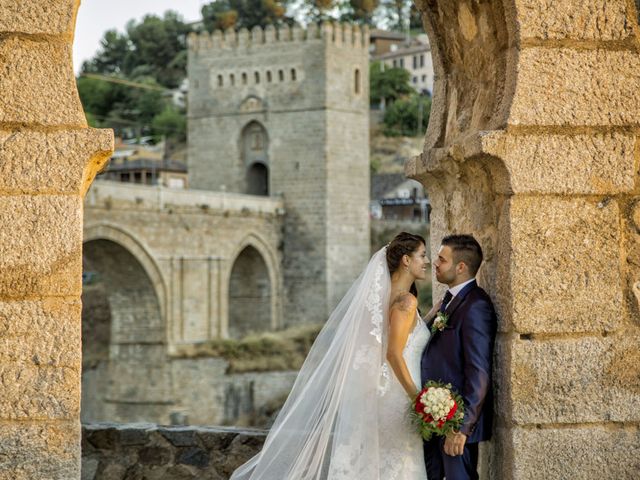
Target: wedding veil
<point>328,427</point>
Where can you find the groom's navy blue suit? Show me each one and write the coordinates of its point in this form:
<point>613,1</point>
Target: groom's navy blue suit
<point>461,355</point>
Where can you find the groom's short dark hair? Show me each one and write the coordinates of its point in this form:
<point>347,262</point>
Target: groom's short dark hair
<point>465,249</point>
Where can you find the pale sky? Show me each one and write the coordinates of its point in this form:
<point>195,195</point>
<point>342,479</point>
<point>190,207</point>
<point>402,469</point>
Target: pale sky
<point>97,16</point>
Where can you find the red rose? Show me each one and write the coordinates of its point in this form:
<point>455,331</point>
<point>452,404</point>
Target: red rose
<point>452,412</point>
<point>440,423</point>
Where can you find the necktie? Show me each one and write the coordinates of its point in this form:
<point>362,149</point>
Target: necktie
<point>445,301</point>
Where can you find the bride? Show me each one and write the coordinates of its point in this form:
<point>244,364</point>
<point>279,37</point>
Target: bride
<point>346,417</point>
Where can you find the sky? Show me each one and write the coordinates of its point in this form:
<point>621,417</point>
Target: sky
<point>97,16</point>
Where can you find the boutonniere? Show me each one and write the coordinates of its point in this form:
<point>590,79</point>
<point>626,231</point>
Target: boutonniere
<point>440,322</point>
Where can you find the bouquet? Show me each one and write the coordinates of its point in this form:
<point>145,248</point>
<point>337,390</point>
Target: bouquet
<point>437,410</point>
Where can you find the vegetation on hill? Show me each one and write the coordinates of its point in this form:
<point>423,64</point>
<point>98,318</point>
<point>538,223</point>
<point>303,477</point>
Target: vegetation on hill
<point>128,84</point>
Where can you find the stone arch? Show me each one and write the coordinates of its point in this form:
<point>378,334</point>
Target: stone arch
<point>119,235</point>
<point>255,244</point>
<point>255,158</point>
<point>126,294</point>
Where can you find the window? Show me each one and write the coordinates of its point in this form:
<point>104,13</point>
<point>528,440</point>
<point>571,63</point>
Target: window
<point>256,140</point>
<point>402,63</point>
<point>281,75</point>
<point>424,78</point>
<point>356,81</point>
<point>394,64</point>
<point>293,74</point>
<point>257,77</point>
<point>244,78</point>
<point>220,82</point>
<point>415,79</point>
<point>415,62</point>
<point>232,79</point>
<point>421,60</point>
<point>268,76</point>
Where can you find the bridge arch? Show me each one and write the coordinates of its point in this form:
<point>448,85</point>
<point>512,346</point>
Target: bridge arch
<point>252,271</point>
<point>124,328</point>
<point>120,236</point>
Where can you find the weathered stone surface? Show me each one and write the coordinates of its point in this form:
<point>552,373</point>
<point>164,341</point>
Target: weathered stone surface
<point>53,162</point>
<point>563,252</point>
<point>39,76</point>
<point>40,332</point>
<point>579,453</point>
<point>566,164</point>
<point>160,459</point>
<point>575,19</point>
<point>566,87</point>
<point>179,437</point>
<point>53,17</point>
<point>39,392</point>
<point>33,451</point>
<point>40,245</point>
<point>590,379</point>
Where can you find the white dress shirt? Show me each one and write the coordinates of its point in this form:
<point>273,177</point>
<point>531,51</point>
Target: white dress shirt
<point>458,288</point>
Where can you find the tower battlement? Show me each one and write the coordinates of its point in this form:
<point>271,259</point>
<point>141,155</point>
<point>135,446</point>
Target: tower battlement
<point>339,34</point>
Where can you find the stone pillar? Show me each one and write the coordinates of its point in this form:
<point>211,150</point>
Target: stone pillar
<point>532,146</point>
<point>48,158</point>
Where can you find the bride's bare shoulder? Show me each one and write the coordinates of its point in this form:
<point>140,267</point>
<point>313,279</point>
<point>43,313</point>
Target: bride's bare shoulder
<point>405,302</point>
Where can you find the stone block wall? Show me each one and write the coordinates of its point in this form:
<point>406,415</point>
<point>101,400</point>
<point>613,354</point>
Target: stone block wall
<point>124,451</point>
<point>48,158</point>
<point>532,147</point>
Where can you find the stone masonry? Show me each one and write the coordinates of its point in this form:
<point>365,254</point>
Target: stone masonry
<point>165,263</point>
<point>532,146</point>
<point>48,158</point>
<point>307,92</point>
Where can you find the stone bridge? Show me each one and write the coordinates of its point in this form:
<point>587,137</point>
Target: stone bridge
<point>164,269</point>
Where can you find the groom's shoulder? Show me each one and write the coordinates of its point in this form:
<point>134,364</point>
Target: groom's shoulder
<point>478,294</point>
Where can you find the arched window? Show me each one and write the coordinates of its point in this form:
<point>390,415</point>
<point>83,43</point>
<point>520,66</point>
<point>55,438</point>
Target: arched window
<point>293,74</point>
<point>244,78</point>
<point>220,81</point>
<point>257,77</point>
<point>356,81</point>
<point>281,75</point>
<point>255,147</point>
<point>232,79</point>
<point>268,76</point>
<point>249,294</point>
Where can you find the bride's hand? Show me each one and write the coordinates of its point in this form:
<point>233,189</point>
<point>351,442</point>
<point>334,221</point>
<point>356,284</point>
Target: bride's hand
<point>431,314</point>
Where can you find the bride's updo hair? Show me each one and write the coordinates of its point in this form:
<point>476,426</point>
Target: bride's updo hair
<point>403,244</point>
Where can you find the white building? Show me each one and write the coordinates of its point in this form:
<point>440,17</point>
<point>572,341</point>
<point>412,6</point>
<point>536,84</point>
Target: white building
<point>415,58</point>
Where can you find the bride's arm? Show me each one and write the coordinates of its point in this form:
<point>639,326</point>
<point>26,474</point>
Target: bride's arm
<point>431,314</point>
<point>401,319</point>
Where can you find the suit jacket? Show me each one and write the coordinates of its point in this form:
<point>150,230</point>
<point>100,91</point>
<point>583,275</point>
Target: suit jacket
<point>461,355</point>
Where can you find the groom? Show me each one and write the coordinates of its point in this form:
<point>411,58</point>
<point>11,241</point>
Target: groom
<point>460,354</point>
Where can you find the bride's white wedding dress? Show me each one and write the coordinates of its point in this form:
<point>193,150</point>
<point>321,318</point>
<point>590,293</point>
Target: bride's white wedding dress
<point>346,417</point>
<point>400,445</point>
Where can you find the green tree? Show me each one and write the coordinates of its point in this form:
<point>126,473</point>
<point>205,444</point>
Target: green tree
<point>359,11</point>
<point>171,123</point>
<point>388,83</point>
<point>395,13</point>
<point>155,47</point>
<point>407,116</point>
<point>223,14</point>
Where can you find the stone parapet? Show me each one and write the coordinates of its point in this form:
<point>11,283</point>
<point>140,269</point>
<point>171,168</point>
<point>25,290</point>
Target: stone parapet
<point>342,34</point>
<point>161,198</point>
<point>119,451</point>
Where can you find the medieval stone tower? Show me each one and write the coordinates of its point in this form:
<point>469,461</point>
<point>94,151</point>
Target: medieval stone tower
<point>285,112</point>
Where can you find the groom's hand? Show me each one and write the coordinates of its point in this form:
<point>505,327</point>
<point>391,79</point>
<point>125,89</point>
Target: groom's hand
<point>454,443</point>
